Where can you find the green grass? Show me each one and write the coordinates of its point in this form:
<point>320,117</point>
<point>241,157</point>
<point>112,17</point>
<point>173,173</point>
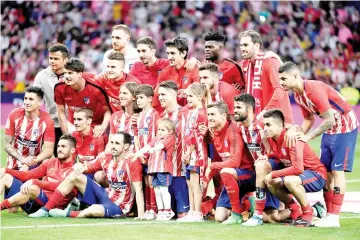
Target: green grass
<point>130,229</point>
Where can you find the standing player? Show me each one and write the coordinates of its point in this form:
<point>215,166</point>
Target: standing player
<point>46,80</point>
<point>168,92</point>
<point>177,50</point>
<point>121,120</point>
<point>76,92</point>
<point>114,77</point>
<point>26,190</point>
<point>124,178</point>
<point>298,171</point>
<point>29,133</point>
<point>160,166</point>
<point>217,90</point>
<point>120,38</point>
<point>339,129</point>
<point>236,169</point>
<point>87,146</point>
<point>261,76</point>
<point>145,132</point>
<point>147,70</point>
<point>229,70</point>
<point>194,149</point>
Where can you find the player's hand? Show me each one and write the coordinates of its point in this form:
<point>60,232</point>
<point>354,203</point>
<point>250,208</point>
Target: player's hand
<point>203,129</point>
<point>186,158</point>
<point>268,179</point>
<point>190,64</point>
<point>79,168</point>
<point>25,188</point>
<point>99,130</point>
<point>104,75</point>
<point>32,161</point>
<point>304,138</point>
<point>2,172</point>
<point>203,184</point>
<point>291,137</point>
<point>134,118</point>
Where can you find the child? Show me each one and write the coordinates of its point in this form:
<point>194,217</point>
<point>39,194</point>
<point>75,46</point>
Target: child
<point>160,166</point>
<point>144,128</point>
<point>194,149</point>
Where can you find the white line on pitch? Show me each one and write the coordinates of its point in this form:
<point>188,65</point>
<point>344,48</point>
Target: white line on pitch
<point>351,181</point>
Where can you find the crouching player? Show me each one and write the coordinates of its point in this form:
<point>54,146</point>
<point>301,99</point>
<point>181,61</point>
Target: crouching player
<point>25,190</point>
<point>298,171</point>
<point>115,201</point>
<point>236,169</point>
<point>160,166</point>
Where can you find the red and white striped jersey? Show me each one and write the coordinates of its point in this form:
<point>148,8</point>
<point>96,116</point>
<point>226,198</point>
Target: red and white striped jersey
<point>29,136</point>
<point>88,147</point>
<point>254,138</point>
<point>120,122</point>
<point>319,97</point>
<point>160,161</point>
<point>120,175</point>
<point>177,116</point>
<point>192,136</point>
<point>147,126</point>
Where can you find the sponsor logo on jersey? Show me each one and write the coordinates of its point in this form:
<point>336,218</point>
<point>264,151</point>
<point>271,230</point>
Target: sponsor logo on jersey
<point>184,79</point>
<point>143,131</point>
<point>86,100</point>
<point>283,150</point>
<point>226,143</point>
<point>36,133</point>
<point>91,147</point>
<point>221,75</point>
<point>148,119</point>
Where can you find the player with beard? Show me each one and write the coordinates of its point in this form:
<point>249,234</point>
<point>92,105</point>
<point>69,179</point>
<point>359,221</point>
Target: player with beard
<point>120,38</point>
<point>229,71</point>
<point>26,190</point>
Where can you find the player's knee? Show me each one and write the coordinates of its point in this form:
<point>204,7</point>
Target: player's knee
<point>227,170</point>
<point>100,178</point>
<point>34,191</point>
<point>7,180</point>
<point>290,182</point>
<point>262,167</point>
<point>220,216</point>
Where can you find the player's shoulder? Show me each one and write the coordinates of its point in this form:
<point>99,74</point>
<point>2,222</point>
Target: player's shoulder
<point>231,62</point>
<point>161,63</point>
<point>17,111</point>
<point>45,115</point>
<point>132,78</point>
<point>61,84</point>
<point>233,128</point>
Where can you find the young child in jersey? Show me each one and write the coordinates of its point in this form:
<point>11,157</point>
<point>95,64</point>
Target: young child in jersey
<point>144,128</point>
<point>160,166</point>
<point>194,149</point>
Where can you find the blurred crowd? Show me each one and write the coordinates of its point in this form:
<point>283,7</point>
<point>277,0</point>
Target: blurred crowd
<point>323,37</point>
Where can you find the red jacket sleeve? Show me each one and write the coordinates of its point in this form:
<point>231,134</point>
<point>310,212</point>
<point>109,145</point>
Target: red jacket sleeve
<point>297,162</point>
<point>94,166</point>
<point>195,75</point>
<point>135,171</point>
<point>236,151</point>
<point>10,124</point>
<point>36,173</point>
<point>46,185</point>
<point>271,70</point>
<point>59,94</point>
<point>49,134</point>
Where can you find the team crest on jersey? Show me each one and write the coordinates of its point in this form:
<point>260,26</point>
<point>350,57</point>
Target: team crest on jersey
<point>148,120</point>
<point>159,71</point>
<point>221,75</point>
<point>86,100</point>
<point>253,133</point>
<point>91,147</point>
<point>120,172</point>
<point>283,150</point>
<point>36,133</point>
<point>226,143</point>
<point>184,79</point>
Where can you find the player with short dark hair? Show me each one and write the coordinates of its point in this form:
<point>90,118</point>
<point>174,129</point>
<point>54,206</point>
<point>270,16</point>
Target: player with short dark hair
<point>236,169</point>
<point>78,91</point>
<point>124,177</point>
<point>29,132</point>
<point>229,70</point>
<point>339,130</point>
<point>120,38</point>
<point>217,90</point>
<point>46,80</point>
<point>261,74</point>
<point>26,190</point>
<point>298,170</point>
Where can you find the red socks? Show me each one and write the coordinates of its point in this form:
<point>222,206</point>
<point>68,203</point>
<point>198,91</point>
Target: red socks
<point>152,197</point>
<point>74,214</point>
<point>260,206</point>
<point>232,189</point>
<point>294,208</point>
<point>328,197</point>
<point>147,198</point>
<point>5,204</point>
<point>336,203</point>
<point>55,198</point>
<point>307,213</point>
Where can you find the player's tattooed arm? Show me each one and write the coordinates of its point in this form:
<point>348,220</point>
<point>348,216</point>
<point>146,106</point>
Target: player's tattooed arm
<point>329,122</point>
<point>9,148</point>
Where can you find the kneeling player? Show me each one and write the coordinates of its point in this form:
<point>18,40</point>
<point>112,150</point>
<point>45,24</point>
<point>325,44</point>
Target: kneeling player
<point>35,193</point>
<point>298,171</point>
<point>114,201</point>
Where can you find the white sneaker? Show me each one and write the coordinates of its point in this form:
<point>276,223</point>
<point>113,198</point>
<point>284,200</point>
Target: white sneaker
<point>186,218</point>
<point>168,215</point>
<point>150,215</point>
<point>197,217</point>
<point>160,216</point>
<point>330,220</point>
<point>255,220</point>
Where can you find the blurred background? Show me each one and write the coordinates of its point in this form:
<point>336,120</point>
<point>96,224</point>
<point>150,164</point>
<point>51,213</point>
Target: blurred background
<point>322,37</point>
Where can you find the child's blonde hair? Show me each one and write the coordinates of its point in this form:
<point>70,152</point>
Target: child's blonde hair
<point>169,124</point>
<point>198,90</point>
